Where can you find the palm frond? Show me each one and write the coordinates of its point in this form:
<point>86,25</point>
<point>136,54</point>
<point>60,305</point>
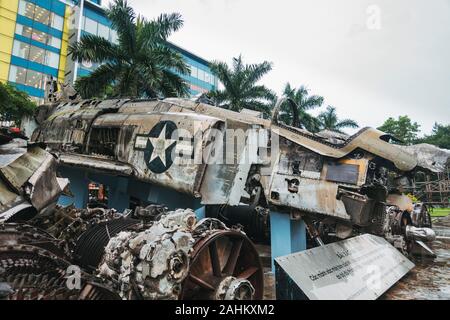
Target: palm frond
<point>254,72</point>
<point>259,92</point>
<point>123,20</point>
<point>347,123</point>
<point>93,48</point>
<point>173,85</point>
<point>288,91</point>
<point>166,24</point>
<point>237,64</point>
<point>312,102</point>
<point>166,57</point>
<point>95,84</point>
<point>221,70</point>
<point>156,32</point>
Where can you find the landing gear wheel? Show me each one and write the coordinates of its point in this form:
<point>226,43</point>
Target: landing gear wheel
<point>224,265</point>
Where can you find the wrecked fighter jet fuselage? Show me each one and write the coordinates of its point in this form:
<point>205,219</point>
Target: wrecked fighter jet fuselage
<point>239,165</point>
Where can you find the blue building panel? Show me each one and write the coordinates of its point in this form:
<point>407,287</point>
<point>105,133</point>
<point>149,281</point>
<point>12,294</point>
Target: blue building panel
<point>83,72</point>
<point>34,66</point>
<point>96,16</point>
<point>98,2</point>
<point>30,90</point>
<point>52,5</point>
<point>39,26</point>
<point>36,43</point>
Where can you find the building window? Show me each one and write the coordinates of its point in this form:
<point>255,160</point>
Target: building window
<point>114,37</point>
<point>39,36</point>
<point>26,9</point>
<point>103,31</point>
<point>52,59</point>
<point>207,77</point>
<point>57,22</point>
<point>23,30</point>
<point>201,75</point>
<point>54,42</point>
<point>17,74</point>
<point>37,55</point>
<point>27,77</point>
<point>194,71</point>
<point>90,26</point>
<point>41,15</point>
<point>35,79</point>
<point>21,50</point>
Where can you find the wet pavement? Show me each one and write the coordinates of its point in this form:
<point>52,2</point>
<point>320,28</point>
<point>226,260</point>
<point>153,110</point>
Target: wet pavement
<point>428,280</point>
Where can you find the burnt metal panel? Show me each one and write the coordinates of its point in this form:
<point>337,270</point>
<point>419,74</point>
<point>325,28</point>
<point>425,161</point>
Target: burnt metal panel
<point>359,207</point>
<point>103,141</point>
<point>19,171</point>
<point>312,196</point>
<point>342,172</point>
<point>367,139</point>
<point>224,182</point>
<point>95,163</point>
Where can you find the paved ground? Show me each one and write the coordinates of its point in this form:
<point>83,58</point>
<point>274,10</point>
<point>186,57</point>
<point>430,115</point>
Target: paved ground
<point>429,280</point>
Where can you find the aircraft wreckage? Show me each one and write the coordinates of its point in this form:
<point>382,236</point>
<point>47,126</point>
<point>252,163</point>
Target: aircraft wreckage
<point>338,187</point>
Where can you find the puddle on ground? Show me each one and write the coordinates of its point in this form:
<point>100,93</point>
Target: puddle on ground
<point>429,280</point>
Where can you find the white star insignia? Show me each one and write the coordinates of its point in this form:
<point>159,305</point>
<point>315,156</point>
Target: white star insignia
<point>160,145</point>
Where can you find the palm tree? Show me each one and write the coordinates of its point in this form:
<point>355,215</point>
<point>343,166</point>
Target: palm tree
<point>140,64</point>
<point>329,121</point>
<point>304,102</point>
<point>240,86</point>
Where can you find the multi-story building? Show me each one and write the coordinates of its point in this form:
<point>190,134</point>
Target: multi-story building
<point>34,40</point>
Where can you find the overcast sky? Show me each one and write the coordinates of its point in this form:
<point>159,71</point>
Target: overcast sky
<point>369,59</point>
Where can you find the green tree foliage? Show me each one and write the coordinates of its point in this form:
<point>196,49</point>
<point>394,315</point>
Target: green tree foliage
<point>240,86</point>
<point>14,104</point>
<point>330,121</point>
<point>140,65</point>
<point>402,128</point>
<point>440,136</point>
<point>305,102</point>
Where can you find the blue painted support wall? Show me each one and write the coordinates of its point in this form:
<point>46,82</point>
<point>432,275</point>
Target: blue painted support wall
<point>78,186</point>
<point>200,210</point>
<point>286,236</point>
<point>121,189</point>
<point>119,198</point>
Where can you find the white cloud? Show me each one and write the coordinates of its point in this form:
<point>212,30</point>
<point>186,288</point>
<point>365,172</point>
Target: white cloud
<point>369,75</point>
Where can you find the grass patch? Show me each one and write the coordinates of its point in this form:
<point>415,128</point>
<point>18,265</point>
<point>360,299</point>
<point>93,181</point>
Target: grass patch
<point>440,212</point>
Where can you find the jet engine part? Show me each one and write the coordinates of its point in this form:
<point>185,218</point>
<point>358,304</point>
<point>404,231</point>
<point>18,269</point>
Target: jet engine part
<point>153,263</point>
<point>224,265</point>
<point>254,220</point>
<point>33,273</point>
<point>232,288</point>
<point>12,234</point>
<point>420,234</point>
<point>421,216</point>
<point>400,231</point>
<point>174,257</point>
<point>90,246</point>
